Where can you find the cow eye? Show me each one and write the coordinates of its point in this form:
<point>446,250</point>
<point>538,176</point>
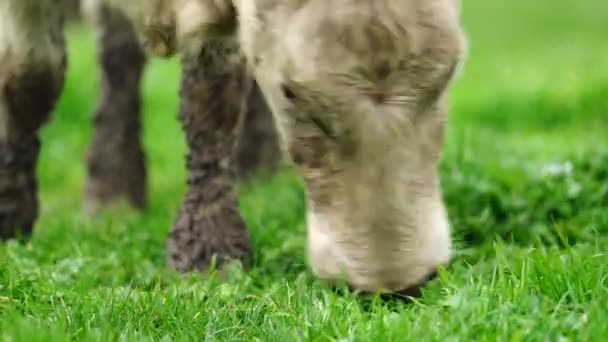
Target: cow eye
<point>288,93</point>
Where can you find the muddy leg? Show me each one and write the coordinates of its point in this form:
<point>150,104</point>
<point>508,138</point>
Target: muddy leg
<point>31,79</point>
<point>72,8</point>
<point>115,159</point>
<point>258,146</point>
<point>212,99</point>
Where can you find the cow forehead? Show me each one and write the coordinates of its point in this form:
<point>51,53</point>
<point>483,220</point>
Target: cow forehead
<point>312,38</point>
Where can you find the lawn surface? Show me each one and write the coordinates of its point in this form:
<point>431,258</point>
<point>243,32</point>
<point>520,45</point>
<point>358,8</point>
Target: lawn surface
<point>525,176</point>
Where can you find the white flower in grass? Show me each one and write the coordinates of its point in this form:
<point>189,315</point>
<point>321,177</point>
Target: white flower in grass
<point>557,169</point>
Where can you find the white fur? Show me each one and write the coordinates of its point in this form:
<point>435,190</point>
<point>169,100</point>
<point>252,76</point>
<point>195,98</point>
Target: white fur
<point>383,225</point>
<point>24,43</point>
<point>378,235</point>
<point>24,38</point>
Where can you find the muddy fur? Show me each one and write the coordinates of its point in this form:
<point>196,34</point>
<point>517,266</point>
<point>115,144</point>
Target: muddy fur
<point>72,8</point>
<point>209,222</point>
<point>18,185</point>
<point>115,159</point>
<point>31,79</point>
<point>33,66</point>
<point>116,163</point>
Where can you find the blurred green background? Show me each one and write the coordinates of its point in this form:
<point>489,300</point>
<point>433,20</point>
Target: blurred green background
<point>533,93</point>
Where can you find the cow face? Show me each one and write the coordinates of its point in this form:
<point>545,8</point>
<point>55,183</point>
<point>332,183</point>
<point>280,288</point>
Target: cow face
<point>358,91</point>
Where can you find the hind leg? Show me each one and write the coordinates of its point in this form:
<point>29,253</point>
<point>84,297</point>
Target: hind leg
<point>258,144</point>
<point>115,160</point>
<point>32,66</point>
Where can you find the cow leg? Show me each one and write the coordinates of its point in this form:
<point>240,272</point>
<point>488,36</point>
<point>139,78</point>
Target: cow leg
<point>115,159</point>
<point>72,9</point>
<point>258,145</point>
<point>32,66</point>
<point>213,90</point>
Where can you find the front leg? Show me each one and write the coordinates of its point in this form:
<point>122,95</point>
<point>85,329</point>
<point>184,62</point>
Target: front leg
<point>213,89</point>
<point>32,65</point>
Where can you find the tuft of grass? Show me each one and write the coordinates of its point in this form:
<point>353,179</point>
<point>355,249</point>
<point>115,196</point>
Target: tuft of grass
<point>524,176</point>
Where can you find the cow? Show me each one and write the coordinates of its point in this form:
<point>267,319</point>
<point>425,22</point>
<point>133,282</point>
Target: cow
<point>358,94</point>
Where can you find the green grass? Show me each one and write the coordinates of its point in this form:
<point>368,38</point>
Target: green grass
<point>531,261</point>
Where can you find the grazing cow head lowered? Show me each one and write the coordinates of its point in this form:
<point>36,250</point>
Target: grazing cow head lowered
<point>358,92</point>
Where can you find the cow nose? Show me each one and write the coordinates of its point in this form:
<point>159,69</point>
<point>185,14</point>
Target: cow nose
<point>415,291</point>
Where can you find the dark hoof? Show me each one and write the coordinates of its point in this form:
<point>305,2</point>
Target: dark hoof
<point>18,189</point>
<point>17,218</point>
<point>195,242</point>
<point>11,227</point>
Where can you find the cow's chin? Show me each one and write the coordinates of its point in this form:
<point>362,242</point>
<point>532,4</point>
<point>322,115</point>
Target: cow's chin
<point>374,249</point>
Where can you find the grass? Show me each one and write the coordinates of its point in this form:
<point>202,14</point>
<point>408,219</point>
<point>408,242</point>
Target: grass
<point>524,173</point>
